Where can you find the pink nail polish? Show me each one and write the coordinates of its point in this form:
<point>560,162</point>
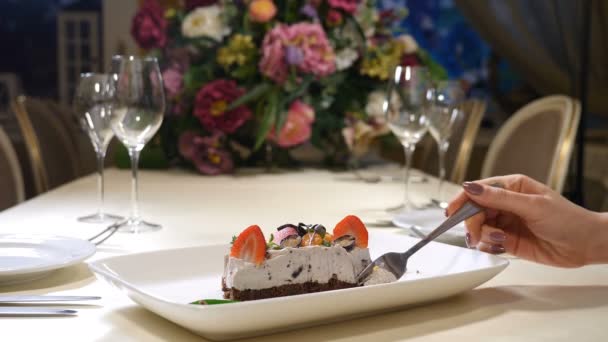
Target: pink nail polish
<point>497,249</point>
<point>472,188</point>
<point>467,239</point>
<point>498,237</point>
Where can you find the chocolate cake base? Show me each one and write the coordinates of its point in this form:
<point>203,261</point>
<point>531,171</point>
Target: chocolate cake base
<point>284,290</point>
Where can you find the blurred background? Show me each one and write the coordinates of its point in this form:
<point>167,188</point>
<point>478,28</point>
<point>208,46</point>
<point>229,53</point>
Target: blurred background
<point>507,53</point>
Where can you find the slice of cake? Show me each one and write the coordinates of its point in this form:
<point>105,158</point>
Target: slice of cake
<point>295,260</point>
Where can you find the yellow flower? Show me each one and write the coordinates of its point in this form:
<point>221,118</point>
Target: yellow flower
<point>380,60</point>
<point>170,13</point>
<point>240,50</point>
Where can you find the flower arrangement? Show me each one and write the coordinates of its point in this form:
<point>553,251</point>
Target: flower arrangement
<point>244,74</point>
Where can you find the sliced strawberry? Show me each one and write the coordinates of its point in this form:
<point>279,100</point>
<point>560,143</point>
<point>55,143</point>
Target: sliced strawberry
<point>352,225</point>
<point>250,245</point>
<point>283,233</point>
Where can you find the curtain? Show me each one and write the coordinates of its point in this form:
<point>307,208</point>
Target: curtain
<point>541,39</point>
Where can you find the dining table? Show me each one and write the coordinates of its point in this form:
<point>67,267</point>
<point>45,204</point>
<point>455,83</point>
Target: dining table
<point>525,302</point>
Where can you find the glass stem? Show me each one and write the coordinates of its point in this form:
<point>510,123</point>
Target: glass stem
<point>442,148</point>
<point>409,152</point>
<point>134,154</point>
<point>100,182</point>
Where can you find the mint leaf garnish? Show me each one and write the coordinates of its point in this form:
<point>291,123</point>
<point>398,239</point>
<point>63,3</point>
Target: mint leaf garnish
<point>213,301</point>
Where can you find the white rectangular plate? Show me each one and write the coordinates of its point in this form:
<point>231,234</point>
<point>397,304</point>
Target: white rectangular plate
<point>165,281</point>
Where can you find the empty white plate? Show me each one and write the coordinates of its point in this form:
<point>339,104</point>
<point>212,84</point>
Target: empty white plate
<point>28,257</point>
<point>426,220</point>
<point>165,282</point>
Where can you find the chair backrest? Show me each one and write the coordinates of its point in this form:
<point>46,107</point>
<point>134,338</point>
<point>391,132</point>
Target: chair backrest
<point>87,160</point>
<point>536,141</point>
<point>53,156</point>
<point>464,132</point>
<point>11,178</point>
<point>463,139</point>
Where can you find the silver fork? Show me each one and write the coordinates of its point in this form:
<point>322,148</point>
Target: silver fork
<point>106,233</point>
<point>396,263</point>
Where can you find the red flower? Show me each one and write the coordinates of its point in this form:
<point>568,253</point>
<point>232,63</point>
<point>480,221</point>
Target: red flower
<point>148,27</point>
<point>206,153</point>
<point>349,6</point>
<point>192,4</point>
<point>334,17</point>
<point>211,103</point>
<point>410,60</point>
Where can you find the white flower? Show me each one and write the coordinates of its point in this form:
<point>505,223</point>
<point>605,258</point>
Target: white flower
<point>409,43</point>
<point>205,21</point>
<point>375,103</point>
<point>367,17</point>
<point>345,58</point>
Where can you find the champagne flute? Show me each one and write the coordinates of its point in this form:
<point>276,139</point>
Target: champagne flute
<point>404,110</point>
<point>137,113</point>
<point>445,100</point>
<point>92,105</point>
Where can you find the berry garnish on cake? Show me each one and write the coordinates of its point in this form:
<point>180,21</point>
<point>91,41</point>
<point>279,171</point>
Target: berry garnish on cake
<point>295,259</point>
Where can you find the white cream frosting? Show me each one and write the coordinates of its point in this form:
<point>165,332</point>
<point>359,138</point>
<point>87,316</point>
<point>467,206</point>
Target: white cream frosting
<point>380,276</point>
<point>296,266</point>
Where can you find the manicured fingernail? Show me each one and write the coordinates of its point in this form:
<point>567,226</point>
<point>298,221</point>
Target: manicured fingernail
<point>446,213</point>
<point>498,237</point>
<point>467,239</point>
<point>472,188</point>
<point>497,249</point>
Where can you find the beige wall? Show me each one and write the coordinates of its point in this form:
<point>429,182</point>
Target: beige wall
<point>117,39</point>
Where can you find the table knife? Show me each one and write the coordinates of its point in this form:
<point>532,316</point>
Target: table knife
<point>37,299</point>
<point>30,311</point>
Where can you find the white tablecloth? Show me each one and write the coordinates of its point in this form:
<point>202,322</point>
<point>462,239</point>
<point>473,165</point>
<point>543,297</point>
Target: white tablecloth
<point>527,302</point>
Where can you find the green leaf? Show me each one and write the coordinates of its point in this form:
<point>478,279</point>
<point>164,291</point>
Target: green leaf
<point>201,42</point>
<point>194,78</point>
<point>268,119</point>
<point>359,31</point>
<point>151,157</point>
<point>438,73</point>
<point>213,301</point>
<point>271,244</point>
<point>300,91</point>
<point>233,239</point>
<point>253,94</point>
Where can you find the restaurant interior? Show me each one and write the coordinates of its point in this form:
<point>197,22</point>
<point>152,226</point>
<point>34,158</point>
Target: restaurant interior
<point>150,148</point>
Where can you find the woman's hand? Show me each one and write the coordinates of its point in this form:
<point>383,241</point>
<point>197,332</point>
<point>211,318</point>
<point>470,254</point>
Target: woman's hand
<point>527,219</point>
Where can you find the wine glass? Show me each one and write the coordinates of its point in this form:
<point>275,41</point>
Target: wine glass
<point>445,99</point>
<point>404,111</point>
<point>137,113</point>
<point>92,105</point>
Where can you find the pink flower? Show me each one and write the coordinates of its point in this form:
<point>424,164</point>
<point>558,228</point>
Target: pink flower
<point>309,38</point>
<point>298,126</point>
<point>205,153</point>
<point>148,27</point>
<point>173,79</point>
<point>212,102</point>
<point>273,63</point>
<point>349,6</point>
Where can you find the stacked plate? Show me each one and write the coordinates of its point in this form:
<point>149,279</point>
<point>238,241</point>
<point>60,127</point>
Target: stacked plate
<point>29,257</point>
